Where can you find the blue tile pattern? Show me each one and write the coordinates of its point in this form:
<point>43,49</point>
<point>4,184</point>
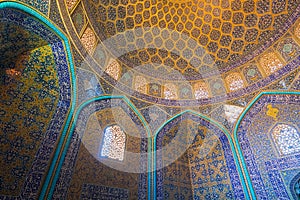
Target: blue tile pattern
<point>263,162</point>
<point>65,175</point>
<point>90,191</point>
<point>295,186</point>
<point>229,164</point>
<point>40,165</point>
<point>40,5</point>
<point>93,89</point>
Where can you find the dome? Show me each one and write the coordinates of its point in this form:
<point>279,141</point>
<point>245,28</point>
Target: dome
<point>213,43</point>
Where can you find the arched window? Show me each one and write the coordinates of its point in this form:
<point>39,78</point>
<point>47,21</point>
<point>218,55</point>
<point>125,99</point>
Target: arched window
<point>140,84</point>
<point>113,69</point>
<point>113,145</point>
<point>270,63</point>
<point>286,139</point>
<point>201,90</point>
<point>234,81</point>
<point>170,91</point>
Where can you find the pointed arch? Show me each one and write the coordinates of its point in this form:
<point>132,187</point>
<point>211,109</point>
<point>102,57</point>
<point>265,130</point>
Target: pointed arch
<point>241,142</point>
<point>87,109</point>
<point>32,20</point>
<point>224,137</point>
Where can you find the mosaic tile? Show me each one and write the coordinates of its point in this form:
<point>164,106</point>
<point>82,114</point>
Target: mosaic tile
<point>259,150</point>
<point>34,100</point>
<point>214,181</point>
<point>88,85</point>
<point>71,3</point>
<point>201,90</point>
<point>54,15</point>
<point>78,18</point>
<point>154,117</point>
<point>234,81</point>
<point>284,83</point>
<point>94,191</point>
<point>49,66</point>
<point>243,42</point>
<point>113,69</point>
<point>42,6</point>
<point>268,25</point>
<point>89,40</point>
<point>288,48</point>
<point>232,33</point>
<point>82,148</point>
<point>252,73</point>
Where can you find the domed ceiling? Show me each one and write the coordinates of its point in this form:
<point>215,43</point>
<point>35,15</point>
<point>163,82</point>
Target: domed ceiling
<point>192,37</point>
<point>188,49</point>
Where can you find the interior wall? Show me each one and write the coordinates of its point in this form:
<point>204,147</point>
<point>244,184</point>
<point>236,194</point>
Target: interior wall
<point>35,99</point>
<point>94,176</point>
<point>206,168</point>
<point>272,158</point>
<point>35,102</point>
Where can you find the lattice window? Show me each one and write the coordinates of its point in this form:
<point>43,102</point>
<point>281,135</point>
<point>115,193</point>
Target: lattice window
<point>88,40</point>
<point>234,81</point>
<point>140,84</point>
<point>170,91</point>
<point>113,143</point>
<point>201,90</point>
<point>270,63</point>
<point>113,69</point>
<point>286,139</point>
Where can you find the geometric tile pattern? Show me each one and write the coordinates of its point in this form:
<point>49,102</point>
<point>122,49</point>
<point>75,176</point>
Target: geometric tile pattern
<point>82,164</point>
<point>42,6</point>
<point>102,192</point>
<point>255,137</point>
<point>225,30</point>
<point>286,139</point>
<point>29,102</point>
<point>231,33</point>
<point>240,31</point>
<point>295,186</point>
<point>88,85</point>
<point>210,173</point>
<point>47,70</point>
